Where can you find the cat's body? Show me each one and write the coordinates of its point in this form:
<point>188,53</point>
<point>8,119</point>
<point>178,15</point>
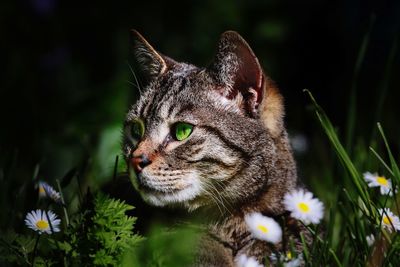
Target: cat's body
<point>213,137</point>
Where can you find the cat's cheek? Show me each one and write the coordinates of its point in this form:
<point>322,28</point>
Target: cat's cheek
<point>174,144</point>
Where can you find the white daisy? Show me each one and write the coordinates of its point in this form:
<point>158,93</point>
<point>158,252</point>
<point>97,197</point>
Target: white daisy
<point>46,190</point>
<point>370,239</point>
<point>288,260</point>
<point>37,221</point>
<point>296,262</point>
<point>389,220</point>
<point>374,180</point>
<point>244,261</point>
<point>303,206</point>
<point>263,227</point>
<point>42,192</point>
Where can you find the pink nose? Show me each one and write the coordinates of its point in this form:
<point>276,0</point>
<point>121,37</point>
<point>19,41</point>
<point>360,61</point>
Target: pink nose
<point>140,162</point>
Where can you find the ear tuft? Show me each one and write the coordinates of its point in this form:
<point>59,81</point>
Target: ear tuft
<point>272,109</point>
<point>152,63</point>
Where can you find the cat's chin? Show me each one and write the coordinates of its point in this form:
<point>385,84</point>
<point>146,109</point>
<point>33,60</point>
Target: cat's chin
<point>185,196</point>
<point>161,199</point>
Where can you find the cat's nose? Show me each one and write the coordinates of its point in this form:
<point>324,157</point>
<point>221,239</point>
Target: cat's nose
<point>140,162</point>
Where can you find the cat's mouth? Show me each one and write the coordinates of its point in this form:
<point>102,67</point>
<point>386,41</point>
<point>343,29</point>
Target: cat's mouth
<point>159,194</point>
<point>152,190</point>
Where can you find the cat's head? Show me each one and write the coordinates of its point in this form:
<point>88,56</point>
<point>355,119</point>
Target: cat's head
<point>202,135</point>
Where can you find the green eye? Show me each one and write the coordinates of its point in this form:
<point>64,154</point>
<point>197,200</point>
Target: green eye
<point>182,130</point>
<point>137,129</point>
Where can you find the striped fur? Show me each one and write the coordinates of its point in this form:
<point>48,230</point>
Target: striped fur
<point>236,160</point>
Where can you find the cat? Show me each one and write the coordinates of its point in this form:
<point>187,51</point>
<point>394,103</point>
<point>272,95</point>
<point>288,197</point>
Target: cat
<point>213,137</point>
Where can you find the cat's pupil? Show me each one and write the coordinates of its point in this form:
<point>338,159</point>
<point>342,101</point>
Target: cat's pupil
<point>183,131</point>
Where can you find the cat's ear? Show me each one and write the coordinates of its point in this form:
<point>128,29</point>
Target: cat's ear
<point>237,70</point>
<point>152,63</point>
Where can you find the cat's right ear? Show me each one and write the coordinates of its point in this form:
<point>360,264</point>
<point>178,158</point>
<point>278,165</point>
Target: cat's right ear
<point>152,63</point>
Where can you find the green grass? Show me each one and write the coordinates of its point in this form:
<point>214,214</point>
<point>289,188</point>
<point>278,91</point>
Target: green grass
<point>353,215</point>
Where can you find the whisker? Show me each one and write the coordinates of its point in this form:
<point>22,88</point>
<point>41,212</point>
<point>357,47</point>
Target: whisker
<point>136,80</point>
<point>221,196</point>
<point>219,199</point>
<point>214,198</point>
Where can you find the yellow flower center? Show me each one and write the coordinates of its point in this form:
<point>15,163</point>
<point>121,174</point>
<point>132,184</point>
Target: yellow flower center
<point>303,207</point>
<point>382,180</point>
<point>41,224</point>
<point>386,220</point>
<point>262,228</point>
<point>289,255</point>
<point>41,190</point>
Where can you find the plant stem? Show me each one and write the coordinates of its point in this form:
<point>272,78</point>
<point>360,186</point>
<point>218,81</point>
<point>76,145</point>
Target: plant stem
<point>63,202</point>
<point>115,168</point>
<point>52,230</point>
<point>34,249</point>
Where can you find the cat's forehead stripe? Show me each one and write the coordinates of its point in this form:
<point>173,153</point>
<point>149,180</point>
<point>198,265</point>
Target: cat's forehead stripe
<point>182,109</point>
<point>147,105</point>
<point>168,100</point>
<point>165,97</point>
<point>172,98</point>
<point>153,90</point>
<point>183,70</point>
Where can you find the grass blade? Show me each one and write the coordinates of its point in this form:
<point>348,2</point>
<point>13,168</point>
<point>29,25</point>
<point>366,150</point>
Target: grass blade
<point>340,151</point>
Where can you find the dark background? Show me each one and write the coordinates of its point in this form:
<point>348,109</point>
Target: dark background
<point>65,78</point>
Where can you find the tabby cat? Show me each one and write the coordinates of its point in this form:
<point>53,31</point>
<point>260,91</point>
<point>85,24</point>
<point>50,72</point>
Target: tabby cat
<point>212,137</point>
